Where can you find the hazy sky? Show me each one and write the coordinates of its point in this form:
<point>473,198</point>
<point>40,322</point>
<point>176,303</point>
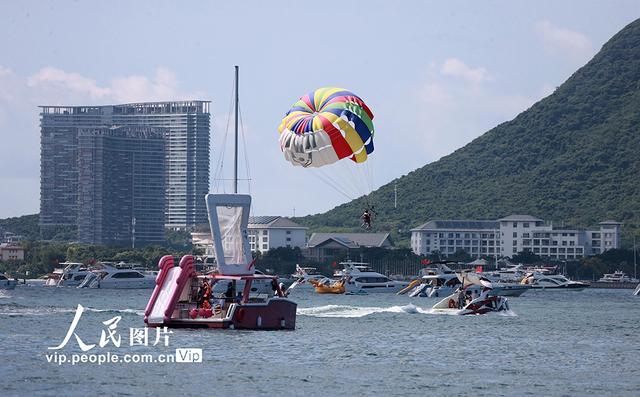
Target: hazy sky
<point>435,74</point>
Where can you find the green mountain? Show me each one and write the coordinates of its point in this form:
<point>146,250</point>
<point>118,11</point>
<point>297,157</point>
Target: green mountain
<point>26,225</point>
<point>574,156</point>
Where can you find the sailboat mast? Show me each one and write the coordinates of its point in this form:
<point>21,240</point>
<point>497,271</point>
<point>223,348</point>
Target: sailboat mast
<point>235,158</point>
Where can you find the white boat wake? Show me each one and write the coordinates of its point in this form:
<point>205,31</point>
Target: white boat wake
<point>345,311</point>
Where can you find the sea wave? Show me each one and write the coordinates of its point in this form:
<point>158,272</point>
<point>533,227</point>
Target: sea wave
<point>23,310</point>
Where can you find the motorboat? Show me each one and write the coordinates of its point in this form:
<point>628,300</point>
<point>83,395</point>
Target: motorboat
<point>434,282</point>
<point>110,277</point>
<point>184,299</point>
<point>7,283</point>
<point>73,274</point>
<point>306,278</point>
<point>637,291</point>
<point>443,281</point>
<point>506,282</point>
<point>52,279</point>
<point>510,274</point>
<point>360,277</point>
<point>466,302</point>
<point>617,277</point>
<point>551,281</point>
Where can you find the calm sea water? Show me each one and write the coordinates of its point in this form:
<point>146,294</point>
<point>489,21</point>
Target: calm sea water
<point>555,343</point>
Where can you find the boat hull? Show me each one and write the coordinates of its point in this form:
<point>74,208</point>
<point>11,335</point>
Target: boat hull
<point>478,306</point>
<point>356,287</point>
<point>275,314</point>
<point>573,287</point>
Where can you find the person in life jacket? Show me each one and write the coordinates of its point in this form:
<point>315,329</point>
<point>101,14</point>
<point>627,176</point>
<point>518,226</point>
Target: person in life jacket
<point>204,295</point>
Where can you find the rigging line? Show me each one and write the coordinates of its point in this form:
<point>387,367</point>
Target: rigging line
<point>244,150</point>
<point>220,167</point>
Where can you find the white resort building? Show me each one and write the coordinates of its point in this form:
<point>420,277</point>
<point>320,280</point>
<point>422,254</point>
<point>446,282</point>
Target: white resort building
<point>515,233</point>
<point>265,233</point>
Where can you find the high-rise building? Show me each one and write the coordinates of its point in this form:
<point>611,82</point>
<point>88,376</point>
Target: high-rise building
<point>186,156</point>
<point>121,185</point>
<point>186,153</point>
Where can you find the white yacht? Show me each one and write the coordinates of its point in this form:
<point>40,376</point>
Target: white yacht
<point>435,282</point>
<point>361,278</point>
<point>442,281</point>
<point>617,277</point>
<point>550,281</point>
<point>73,274</point>
<point>110,277</point>
<point>6,283</point>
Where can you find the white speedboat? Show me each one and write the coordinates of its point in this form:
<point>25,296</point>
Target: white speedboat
<point>544,281</point>
<point>109,277</point>
<point>362,278</point>
<point>6,283</point>
<point>304,278</point>
<point>617,277</point>
<point>465,301</point>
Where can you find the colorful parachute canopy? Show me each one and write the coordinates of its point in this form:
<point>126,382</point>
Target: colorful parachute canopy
<point>325,126</point>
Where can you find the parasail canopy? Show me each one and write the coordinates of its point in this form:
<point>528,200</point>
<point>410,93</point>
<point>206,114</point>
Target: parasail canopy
<point>327,125</point>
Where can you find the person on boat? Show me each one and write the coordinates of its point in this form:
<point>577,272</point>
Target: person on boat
<point>204,294</point>
<point>461,298</point>
<point>366,219</point>
<point>284,290</point>
<point>229,292</point>
<point>200,294</point>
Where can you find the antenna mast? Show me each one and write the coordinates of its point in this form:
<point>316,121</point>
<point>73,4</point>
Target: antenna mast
<point>395,195</point>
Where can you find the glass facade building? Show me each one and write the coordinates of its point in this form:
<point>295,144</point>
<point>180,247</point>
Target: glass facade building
<point>121,185</point>
<point>186,126</point>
